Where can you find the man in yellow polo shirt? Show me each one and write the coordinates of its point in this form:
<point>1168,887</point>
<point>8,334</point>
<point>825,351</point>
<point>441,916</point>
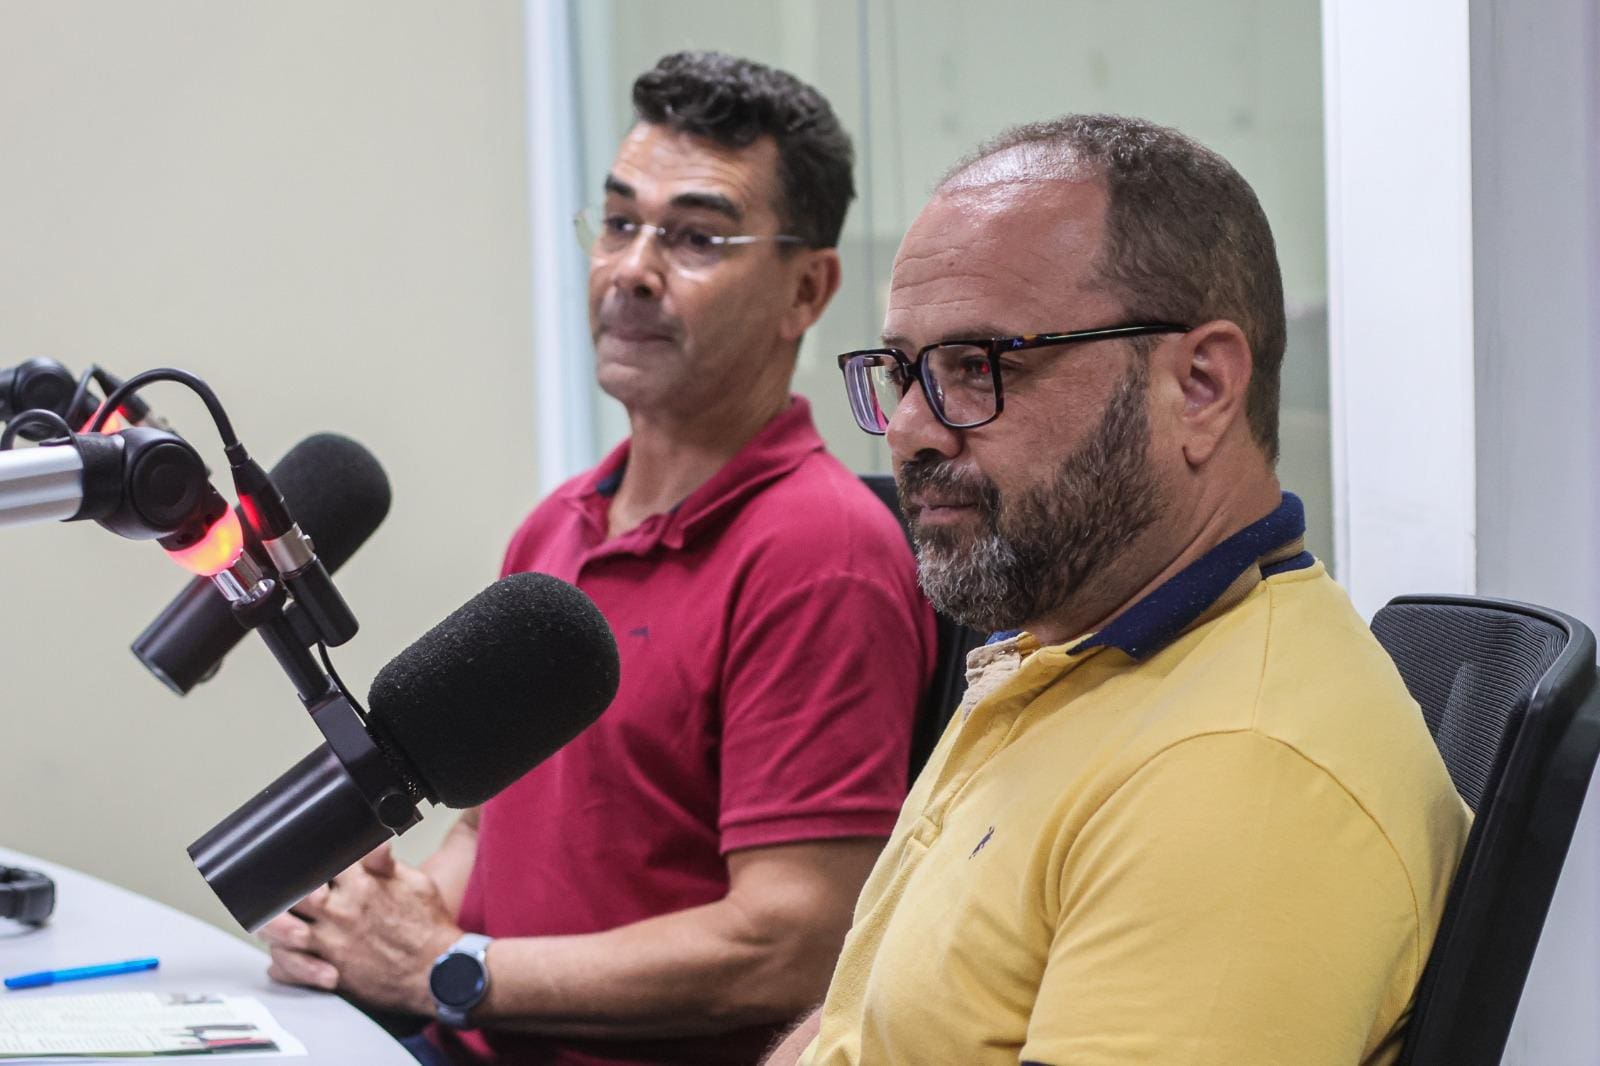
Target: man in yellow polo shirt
<point>1188,812</point>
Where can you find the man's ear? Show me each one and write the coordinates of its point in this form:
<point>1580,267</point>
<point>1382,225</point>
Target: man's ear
<point>1213,367</point>
<point>816,279</point>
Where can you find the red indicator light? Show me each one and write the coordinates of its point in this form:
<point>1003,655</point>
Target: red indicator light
<point>219,549</point>
<point>116,423</point>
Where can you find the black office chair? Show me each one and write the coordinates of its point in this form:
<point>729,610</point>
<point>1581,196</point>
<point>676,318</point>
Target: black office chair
<point>950,666</point>
<point>1510,695</point>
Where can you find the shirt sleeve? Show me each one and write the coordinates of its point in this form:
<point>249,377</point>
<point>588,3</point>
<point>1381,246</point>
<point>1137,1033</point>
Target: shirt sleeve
<point>1230,904</point>
<point>824,679</point>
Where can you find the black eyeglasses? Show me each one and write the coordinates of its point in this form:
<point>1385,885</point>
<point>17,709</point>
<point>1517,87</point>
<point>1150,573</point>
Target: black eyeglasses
<point>961,378</point>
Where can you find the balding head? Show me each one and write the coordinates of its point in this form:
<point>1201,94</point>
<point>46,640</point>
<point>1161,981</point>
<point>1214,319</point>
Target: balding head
<point>1021,163</point>
<point>1185,239</point>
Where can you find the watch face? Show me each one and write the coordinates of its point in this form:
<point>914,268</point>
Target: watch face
<point>457,980</point>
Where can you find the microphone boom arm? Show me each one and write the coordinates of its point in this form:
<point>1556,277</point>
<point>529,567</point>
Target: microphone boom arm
<point>40,485</point>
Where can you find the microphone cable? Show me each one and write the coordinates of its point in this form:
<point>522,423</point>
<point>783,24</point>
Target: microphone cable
<point>338,682</point>
<point>121,394</point>
<point>37,414</point>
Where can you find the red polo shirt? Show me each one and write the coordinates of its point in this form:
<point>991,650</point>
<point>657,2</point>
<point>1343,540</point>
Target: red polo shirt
<point>774,648</point>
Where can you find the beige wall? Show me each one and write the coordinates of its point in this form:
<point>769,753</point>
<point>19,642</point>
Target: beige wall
<point>319,208</point>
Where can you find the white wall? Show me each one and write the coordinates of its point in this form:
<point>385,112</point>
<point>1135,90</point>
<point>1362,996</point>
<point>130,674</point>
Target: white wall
<point>1464,284</point>
<point>320,208</point>
<point>1400,298</point>
<point>1536,246</point>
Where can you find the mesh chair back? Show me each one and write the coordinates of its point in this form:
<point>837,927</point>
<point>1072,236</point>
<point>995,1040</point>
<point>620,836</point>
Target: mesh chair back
<point>1509,693</point>
<point>1472,669</point>
<point>950,665</point>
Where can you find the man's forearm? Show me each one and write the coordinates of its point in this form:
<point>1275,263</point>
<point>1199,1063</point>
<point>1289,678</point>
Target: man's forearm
<point>694,972</point>
<point>762,955</point>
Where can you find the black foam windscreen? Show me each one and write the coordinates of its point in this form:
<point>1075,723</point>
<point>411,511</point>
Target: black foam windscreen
<point>496,688</point>
<point>337,492</point>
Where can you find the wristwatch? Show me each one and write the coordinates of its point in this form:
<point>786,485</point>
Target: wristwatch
<point>460,979</point>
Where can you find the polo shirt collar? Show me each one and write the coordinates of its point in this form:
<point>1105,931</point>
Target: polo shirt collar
<point>1217,580</point>
<point>780,446</point>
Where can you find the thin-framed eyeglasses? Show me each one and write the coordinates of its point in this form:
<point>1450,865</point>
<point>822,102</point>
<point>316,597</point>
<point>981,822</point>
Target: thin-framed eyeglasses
<point>961,378</point>
<point>690,245</point>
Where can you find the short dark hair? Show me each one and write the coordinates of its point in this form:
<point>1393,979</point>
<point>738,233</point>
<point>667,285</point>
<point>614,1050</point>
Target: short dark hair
<point>1186,239</point>
<point>735,102</point>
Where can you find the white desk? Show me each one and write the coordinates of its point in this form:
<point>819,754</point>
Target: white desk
<point>97,922</point>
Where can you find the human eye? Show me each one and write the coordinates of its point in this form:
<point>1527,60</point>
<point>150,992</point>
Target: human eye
<point>617,225</point>
<point>702,240</point>
<point>693,237</point>
<point>961,369</point>
<point>973,367</point>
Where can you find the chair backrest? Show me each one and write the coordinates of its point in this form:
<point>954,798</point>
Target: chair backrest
<point>1510,695</point>
<point>950,668</point>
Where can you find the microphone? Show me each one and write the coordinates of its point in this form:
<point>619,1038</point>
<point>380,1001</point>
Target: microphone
<point>340,494</point>
<point>476,702</point>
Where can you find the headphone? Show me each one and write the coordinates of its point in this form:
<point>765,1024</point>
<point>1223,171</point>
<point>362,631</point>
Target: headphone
<point>25,895</point>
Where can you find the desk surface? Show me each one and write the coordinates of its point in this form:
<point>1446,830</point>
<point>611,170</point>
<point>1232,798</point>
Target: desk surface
<point>98,922</point>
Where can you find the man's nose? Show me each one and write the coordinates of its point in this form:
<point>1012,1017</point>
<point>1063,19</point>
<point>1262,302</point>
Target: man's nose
<point>914,428</point>
<point>640,268</point>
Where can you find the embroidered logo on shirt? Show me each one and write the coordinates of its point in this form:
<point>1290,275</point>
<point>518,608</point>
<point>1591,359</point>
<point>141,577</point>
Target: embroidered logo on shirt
<point>982,842</point>
<point>640,631</point>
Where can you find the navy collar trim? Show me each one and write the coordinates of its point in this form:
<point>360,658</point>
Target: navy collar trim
<point>1155,621</point>
<point>1158,619</point>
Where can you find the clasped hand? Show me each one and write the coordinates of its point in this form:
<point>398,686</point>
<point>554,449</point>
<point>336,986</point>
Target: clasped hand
<point>373,932</point>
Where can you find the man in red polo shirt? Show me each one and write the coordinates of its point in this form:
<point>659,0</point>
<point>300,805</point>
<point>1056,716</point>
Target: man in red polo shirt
<point>675,884</point>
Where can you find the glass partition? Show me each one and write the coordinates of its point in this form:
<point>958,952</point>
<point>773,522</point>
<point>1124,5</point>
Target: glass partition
<point>919,82</point>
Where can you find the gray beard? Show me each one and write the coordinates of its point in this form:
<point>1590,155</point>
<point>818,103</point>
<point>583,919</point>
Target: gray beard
<point>1041,546</point>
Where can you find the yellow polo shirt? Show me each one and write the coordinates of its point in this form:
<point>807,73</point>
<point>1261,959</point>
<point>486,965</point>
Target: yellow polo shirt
<point>1217,832</point>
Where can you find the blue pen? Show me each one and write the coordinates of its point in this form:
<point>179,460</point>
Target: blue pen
<point>79,973</point>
